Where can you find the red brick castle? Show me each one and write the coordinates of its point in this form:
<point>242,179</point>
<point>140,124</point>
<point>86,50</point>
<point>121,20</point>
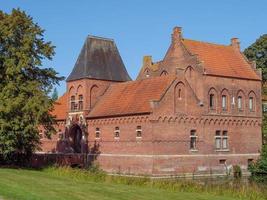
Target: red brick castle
<point>198,110</point>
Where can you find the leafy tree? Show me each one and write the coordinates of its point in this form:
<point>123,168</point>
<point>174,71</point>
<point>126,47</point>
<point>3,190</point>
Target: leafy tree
<point>55,94</point>
<point>258,52</point>
<point>259,168</point>
<point>25,85</point>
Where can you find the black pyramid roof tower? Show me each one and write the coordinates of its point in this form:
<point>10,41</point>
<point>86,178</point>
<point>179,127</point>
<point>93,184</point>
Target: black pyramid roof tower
<point>99,59</point>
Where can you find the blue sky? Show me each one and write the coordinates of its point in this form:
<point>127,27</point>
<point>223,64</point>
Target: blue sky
<point>140,27</point>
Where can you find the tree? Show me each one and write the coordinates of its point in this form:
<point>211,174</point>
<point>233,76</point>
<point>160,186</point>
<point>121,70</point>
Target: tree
<point>55,94</point>
<point>25,85</point>
<point>259,168</point>
<point>258,52</point>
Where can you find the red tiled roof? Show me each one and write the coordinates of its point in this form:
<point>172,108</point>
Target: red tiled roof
<point>60,107</point>
<point>221,60</point>
<point>131,97</point>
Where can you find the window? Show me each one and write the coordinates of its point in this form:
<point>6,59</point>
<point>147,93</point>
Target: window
<point>138,131</point>
<point>264,107</point>
<point>117,132</point>
<point>221,140</point>
<point>224,140</point>
<point>193,140</point>
<point>250,161</point>
<point>251,104</point>
<point>218,139</point>
<point>212,103</point>
<point>72,103</point>
<point>179,94</point>
<point>224,103</point>
<point>239,103</point>
<point>80,103</point>
<point>222,161</point>
<point>97,133</point>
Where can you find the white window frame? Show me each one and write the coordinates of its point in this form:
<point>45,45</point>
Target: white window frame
<point>195,137</point>
<point>224,102</point>
<point>221,138</point>
<point>251,104</point>
<point>239,103</point>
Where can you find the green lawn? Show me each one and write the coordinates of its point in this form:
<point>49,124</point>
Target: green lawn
<point>30,184</point>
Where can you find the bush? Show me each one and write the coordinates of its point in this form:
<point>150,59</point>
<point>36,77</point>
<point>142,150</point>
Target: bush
<point>259,168</point>
<point>237,171</point>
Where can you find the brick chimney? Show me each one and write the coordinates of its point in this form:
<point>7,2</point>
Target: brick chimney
<point>147,61</point>
<point>176,34</point>
<point>235,43</point>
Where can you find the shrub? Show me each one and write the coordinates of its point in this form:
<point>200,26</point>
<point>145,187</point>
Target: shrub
<point>237,171</point>
<point>259,168</point>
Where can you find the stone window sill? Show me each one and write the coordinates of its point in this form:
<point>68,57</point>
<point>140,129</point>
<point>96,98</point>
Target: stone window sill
<point>222,150</point>
<point>193,150</point>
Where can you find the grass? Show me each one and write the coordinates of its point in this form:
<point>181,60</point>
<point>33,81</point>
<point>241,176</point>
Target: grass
<point>70,184</point>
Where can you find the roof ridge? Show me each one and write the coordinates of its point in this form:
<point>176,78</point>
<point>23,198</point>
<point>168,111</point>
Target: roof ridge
<point>100,38</point>
<point>146,79</point>
<point>215,44</point>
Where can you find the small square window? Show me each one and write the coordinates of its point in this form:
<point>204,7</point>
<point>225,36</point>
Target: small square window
<point>250,161</point>
<point>97,133</point>
<point>222,161</point>
<point>138,131</point>
<point>117,132</point>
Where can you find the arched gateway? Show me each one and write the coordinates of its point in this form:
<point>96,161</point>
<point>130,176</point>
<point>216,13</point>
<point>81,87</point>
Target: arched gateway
<point>75,138</point>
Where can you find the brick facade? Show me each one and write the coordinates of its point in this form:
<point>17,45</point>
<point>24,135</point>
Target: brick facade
<point>181,123</point>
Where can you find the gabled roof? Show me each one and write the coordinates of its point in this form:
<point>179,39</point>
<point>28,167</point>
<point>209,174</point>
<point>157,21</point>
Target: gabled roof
<point>61,107</point>
<point>131,97</point>
<point>99,59</point>
<point>221,60</point>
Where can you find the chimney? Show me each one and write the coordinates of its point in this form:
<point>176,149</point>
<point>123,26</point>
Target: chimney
<point>176,34</point>
<point>147,61</point>
<point>235,43</point>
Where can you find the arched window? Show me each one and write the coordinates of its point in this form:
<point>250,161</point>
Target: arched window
<point>93,95</point>
<point>240,100</point>
<point>252,102</point>
<point>72,103</point>
<point>147,72</point>
<point>179,97</point>
<point>239,103</point>
<point>80,102</point>
<point>164,72</point>
<point>225,100</point>
<point>212,99</point>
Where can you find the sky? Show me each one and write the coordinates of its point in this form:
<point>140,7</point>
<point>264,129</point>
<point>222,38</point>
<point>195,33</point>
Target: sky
<point>140,27</point>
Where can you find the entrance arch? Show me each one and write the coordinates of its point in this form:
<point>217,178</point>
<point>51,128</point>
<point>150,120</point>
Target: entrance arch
<point>75,138</point>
